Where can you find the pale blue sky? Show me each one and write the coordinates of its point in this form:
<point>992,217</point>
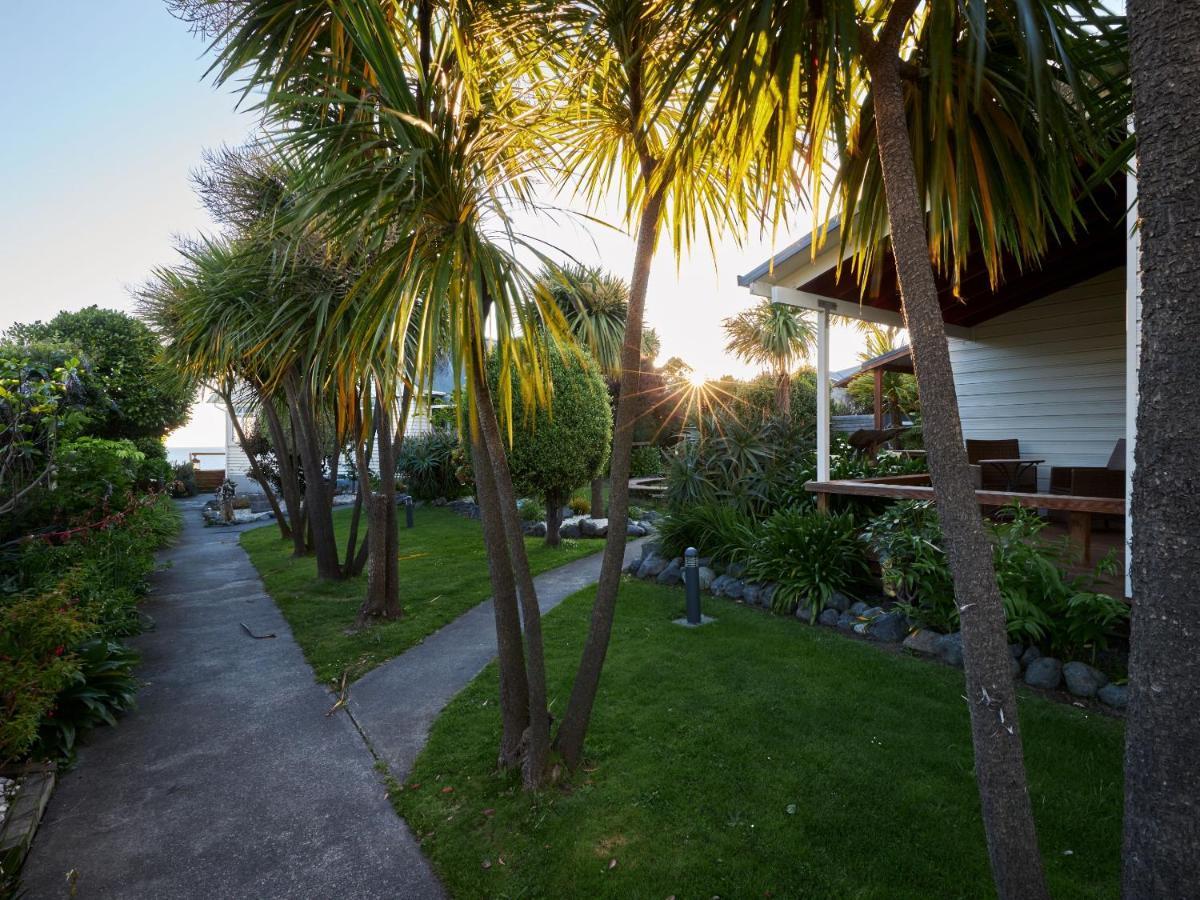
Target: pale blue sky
<point>108,112</point>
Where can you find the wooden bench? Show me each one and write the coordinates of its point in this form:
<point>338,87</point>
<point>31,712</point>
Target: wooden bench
<point>917,487</point>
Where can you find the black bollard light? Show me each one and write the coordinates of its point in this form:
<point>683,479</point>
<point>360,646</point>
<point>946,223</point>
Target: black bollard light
<point>408,512</point>
<point>691,584</point>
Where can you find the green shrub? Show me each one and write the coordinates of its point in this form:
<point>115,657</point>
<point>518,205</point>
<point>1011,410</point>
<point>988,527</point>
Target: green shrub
<point>94,474</point>
<point>183,480</point>
<point>101,685</point>
<point>1043,603</point>
<point>713,529</point>
<point>645,462</point>
<point>429,465</point>
<point>532,510</point>
<point>36,632</point>
<point>907,539</point>
<point>810,555</point>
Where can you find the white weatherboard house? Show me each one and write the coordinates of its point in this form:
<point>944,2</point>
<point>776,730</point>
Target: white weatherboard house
<point>1048,358</point>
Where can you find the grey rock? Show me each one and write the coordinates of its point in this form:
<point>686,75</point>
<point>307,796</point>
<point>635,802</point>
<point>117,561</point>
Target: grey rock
<point>735,588</point>
<point>751,594</point>
<point>829,617</point>
<point>737,569</point>
<point>635,529</point>
<point>651,515</point>
<point>651,566</point>
<point>923,642</point>
<point>594,528</point>
<point>858,608</point>
<point>1114,695</point>
<point>891,627</point>
<point>839,601</point>
<point>672,574</point>
<point>1044,672</point>
<point>767,597</point>
<point>871,612</point>
<point>704,561</point>
<point>949,647</point>
<point>651,547</point>
<point>860,628</point>
<point>1016,650</point>
<point>1014,666</point>
<point>718,585</point>
<point>535,529</point>
<point>845,622</point>
<point>1030,654</point>
<point>569,530</point>
<point>1083,680</point>
<point>706,576</point>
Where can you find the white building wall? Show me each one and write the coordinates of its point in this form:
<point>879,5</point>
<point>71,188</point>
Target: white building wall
<point>237,466</point>
<point>1051,374</point>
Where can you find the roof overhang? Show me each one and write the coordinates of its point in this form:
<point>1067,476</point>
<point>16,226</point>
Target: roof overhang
<point>898,360</point>
<point>810,279</point>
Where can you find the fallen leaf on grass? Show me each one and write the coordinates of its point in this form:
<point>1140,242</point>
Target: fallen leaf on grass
<point>447,790</point>
<point>489,812</point>
<point>487,864</point>
<point>612,864</point>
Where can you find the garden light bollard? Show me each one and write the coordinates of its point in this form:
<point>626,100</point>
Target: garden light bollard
<point>408,513</point>
<point>691,584</point>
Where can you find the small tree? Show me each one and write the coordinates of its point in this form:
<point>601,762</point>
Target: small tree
<point>558,447</point>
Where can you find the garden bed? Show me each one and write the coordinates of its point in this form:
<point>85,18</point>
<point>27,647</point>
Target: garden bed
<point>755,758</point>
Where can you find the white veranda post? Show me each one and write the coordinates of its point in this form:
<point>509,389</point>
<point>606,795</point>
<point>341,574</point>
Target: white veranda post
<point>822,395</point>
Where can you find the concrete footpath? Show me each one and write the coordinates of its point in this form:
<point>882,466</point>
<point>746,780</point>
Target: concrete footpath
<point>228,780</point>
<point>396,704</point>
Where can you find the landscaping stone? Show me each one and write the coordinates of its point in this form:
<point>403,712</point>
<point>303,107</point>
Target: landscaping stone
<point>652,565</point>
<point>1044,672</point>
<point>1114,695</point>
<point>704,561</point>
<point>860,628</point>
<point>651,547</point>
<point>1014,666</point>
<point>858,608</point>
<point>871,612</point>
<point>923,642</point>
<point>706,576</point>
<point>829,617</point>
<point>535,529</point>
<point>839,601</point>
<point>1030,654</point>
<point>1083,680</point>
<point>846,622</point>
<point>949,648</point>
<point>635,529</point>
<point>890,627</point>
<point>593,528</point>
<point>737,569</point>
<point>718,585</point>
<point>751,594</point>
<point>768,595</point>
<point>672,574</point>
<point>735,588</point>
<point>1016,650</point>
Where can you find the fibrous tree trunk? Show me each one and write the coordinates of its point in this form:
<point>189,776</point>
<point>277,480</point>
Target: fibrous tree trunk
<point>317,494</point>
<point>597,507</point>
<point>573,730</point>
<point>514,684</point>
<point>783,393</point>
<point>535,762</point>
<point>991,697</point>
<point>284,531</point>
<point>288,483</point>
<point>554,505</point>
<point>1162,731</point>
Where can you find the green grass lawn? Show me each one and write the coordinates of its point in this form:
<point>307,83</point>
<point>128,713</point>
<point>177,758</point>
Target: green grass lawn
<point>757,757</point>
<point>443,573</point>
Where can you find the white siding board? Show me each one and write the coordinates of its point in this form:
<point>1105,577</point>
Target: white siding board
<point>1051,374</point>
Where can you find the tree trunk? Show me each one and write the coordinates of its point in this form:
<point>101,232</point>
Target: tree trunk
<point>284,531</point>
<point>554,504</point>
<point>316,492</point>
<point>573,730</point>
<point>288,483</point>
<point>382,600</point>
<point>1162,732</point>
<point>514,684</point>
<point>991,697</point>
<point>597,507</point>
<point>537,737</point>
<point>783,394</point>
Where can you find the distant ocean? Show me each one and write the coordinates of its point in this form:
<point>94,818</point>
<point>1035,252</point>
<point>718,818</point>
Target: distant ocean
<point>183,454</point>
